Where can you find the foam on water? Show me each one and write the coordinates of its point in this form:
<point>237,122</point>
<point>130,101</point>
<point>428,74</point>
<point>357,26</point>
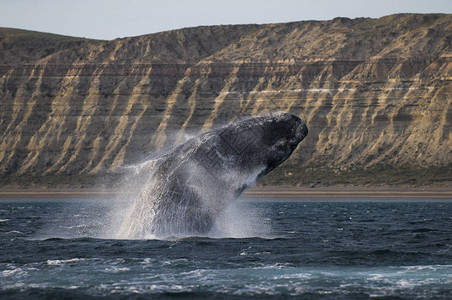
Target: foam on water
<point>381,252</point>
<point>137,210</point>
<point>241,221</point>
<point>145,276</point>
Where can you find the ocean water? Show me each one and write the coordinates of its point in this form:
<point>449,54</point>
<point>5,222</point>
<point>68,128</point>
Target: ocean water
<point>54,249</point>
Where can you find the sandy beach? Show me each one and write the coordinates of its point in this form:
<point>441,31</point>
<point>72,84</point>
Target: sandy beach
<point>275,192</point>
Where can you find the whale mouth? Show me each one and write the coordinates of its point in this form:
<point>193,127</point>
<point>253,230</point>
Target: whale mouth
<point>301,132</point>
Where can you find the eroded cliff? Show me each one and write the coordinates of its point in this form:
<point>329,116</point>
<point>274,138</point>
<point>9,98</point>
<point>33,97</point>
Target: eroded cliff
<point>374,92</point>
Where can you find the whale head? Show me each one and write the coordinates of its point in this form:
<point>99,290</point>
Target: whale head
<point>282,134</point>
<point>263,141</point>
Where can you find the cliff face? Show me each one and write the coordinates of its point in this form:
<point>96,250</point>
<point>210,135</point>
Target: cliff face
<point>372,91</point>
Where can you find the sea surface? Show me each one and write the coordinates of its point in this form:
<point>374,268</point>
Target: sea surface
<point>54,249</point>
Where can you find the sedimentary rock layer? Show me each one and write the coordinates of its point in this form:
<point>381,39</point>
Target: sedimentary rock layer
<point>372,91</point>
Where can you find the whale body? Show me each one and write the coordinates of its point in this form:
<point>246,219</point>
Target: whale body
<point>184,188</point>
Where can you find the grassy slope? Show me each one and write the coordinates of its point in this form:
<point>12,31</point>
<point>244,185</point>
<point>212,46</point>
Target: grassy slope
<point>316,176</point>
<point>312,176</point>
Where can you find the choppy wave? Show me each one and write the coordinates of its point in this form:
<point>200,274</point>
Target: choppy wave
<point>151,276</point>
<point>316,250</point>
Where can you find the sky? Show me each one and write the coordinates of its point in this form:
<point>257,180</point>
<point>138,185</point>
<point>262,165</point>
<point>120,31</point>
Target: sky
<point>110,19</point>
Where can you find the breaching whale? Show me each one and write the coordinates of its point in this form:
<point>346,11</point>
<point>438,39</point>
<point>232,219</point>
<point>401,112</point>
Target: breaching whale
<point>183,188</point>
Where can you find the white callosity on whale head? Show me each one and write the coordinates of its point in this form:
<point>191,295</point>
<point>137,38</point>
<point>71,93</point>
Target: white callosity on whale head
<point>182,190</point>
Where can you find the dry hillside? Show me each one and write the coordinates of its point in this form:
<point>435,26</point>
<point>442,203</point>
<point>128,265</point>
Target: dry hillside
<point>375,93</point>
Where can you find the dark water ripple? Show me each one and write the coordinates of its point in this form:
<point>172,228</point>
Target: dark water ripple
<point>314,250</point>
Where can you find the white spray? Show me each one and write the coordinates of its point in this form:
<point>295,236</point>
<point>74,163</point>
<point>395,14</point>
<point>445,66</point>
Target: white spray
<point>190,189</point>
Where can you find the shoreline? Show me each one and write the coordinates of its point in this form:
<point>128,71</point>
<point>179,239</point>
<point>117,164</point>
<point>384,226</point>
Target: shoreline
<point>266,193</point>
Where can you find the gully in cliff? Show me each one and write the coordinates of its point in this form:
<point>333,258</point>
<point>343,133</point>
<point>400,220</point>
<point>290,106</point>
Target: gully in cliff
<point>182,190</point>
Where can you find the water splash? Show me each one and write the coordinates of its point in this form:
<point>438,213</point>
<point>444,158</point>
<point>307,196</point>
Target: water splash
<point>188,189</point>
<point>204,205</point>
